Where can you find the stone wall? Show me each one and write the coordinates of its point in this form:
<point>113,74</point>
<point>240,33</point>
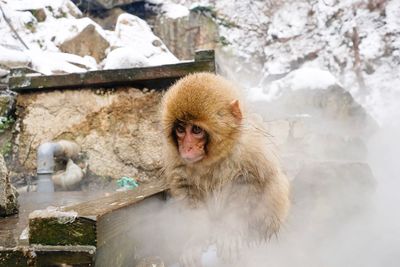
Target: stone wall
<point>117,129</point>
<point>8,193</point>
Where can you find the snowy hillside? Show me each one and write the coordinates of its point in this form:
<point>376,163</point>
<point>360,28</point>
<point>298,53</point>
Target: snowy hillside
<point>44,26</point>
<point>357,41</point>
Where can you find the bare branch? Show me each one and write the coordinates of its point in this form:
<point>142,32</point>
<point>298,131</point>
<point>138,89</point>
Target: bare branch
<point>12,28</point>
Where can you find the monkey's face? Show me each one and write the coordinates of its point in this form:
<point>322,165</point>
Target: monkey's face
<point>191,141</point>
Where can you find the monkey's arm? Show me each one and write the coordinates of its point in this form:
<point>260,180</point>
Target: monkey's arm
<point>266,187</point>
<point>269,200</point>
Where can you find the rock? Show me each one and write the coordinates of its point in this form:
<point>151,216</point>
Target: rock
<point>318,98</point>
<point>184,35</point>
<point>7,103</point>
<point>71,9</point>
<point>136,45</point>
<point>88,42</point>
<point>313,119</point>
<point>39,14</point>
<point>328,190</point>
<point>103,4</point>
<point>295,136</point>
<point>8,193</point>
<point>3,73</point>
<point>108,20</point>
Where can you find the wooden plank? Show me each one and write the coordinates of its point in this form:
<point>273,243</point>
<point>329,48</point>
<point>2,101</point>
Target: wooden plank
<point>148,76</point>
<point>101,206</point>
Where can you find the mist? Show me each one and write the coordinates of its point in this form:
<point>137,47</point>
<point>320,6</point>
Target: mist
<point>360,230</point>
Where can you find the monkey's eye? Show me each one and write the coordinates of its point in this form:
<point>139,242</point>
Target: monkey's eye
<point>197,130</point>
<point>180,129</point>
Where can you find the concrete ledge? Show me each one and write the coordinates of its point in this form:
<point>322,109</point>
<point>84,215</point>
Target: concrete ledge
<point>77,224</point>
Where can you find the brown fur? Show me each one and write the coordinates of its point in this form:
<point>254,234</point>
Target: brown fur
<point>239,171</point>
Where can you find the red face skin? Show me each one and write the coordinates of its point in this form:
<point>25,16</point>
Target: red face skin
<point>191,142</point>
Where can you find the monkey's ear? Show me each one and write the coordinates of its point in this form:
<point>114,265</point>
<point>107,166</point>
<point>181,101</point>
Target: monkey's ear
<point>235,110</point>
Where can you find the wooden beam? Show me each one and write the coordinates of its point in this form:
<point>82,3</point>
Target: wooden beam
<point>141,77</point>
<point>101,206</point>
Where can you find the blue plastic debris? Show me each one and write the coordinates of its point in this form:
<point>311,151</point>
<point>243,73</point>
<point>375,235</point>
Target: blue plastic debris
<point>126,183</point>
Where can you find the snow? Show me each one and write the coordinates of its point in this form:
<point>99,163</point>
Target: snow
<point>372,46</point>
<point>307,79</point>
<point>393,16</point>
<point>53,8</point>
<point>57,63</point>
<point>63,217</point>
<point>286,23</point>
<point>174,11</point>
<point>13,57</point>
<point>125,57</point>
<point>301,79</point>
<point>55,32</point>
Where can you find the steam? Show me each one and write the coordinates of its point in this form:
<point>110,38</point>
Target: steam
<point>344,206</point>
<point>349,217</point>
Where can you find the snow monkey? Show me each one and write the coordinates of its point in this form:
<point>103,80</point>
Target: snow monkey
<point>216,156</point>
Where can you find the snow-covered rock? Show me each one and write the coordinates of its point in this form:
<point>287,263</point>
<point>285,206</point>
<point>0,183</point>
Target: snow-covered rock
<point>58,63</point>
<point>301,79</point>
<point>61,28</point>
<point>12,58</point>
<point>89,42</point>
<point>174,11</point>
<point>136,45</point>
<point>53,8</point>
<point>125,57</point>
<point>313,92</point>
